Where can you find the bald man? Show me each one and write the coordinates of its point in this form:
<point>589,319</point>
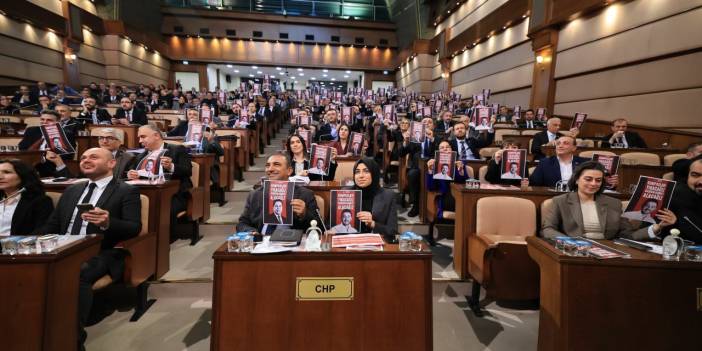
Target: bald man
<point>116,214</point>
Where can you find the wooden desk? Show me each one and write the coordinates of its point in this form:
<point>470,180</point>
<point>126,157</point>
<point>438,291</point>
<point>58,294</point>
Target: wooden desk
<point>159,216</point>
<point>523,140</point>
<point>254,305</point>
<point>39,297</point>
<point>640,303</point>
<point>130,133</point>
<point>550,151</point>
<point>466,204</point>
<point>205,161</point>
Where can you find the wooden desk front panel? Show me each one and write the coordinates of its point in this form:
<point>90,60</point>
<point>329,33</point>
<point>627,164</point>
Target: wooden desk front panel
<point>254,305</point>
<point>642,303</point>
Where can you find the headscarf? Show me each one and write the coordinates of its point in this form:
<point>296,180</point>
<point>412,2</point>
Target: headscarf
<point>368,192</point>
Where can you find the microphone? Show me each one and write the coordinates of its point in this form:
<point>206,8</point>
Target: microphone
<point>693,224</point>
<point>321,220</point>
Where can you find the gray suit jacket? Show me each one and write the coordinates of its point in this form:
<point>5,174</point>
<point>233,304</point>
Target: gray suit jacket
<point>384,213</point>
<point>566,218</point>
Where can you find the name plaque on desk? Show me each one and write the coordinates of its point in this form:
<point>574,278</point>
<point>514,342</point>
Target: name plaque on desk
<point>324,288</point>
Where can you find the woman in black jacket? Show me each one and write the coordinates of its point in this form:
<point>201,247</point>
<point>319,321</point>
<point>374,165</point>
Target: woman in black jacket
<point>378,206</point>
<point>24,206</point>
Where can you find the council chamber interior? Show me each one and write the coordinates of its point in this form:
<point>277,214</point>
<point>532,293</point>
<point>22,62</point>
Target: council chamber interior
<point>350,175</point>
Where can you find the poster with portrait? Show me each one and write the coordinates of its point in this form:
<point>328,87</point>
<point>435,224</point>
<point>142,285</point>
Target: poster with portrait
<point>277,202</point>
<point>195,134</point>
<point>303,120</point>
<point>437,105</point>
<point>356,143</point>
<point>444,165</point>
<point>513,164</point>
<point>345,204</point>
<point>266,82</point>
<point>222,97</point>
<point>205,116</point>
<point>417,132</point>
<point>610,162</point>
<point>257,89</point>
<point>578,120</point>
<point>244,116</point>
<point>306,135</point>
<point>56,139</point>
<point>150,165</point>
<point>346,114</point>
<point>242,87</point>
<point>389,113</point>
<point>516,113</point>
<point>651,195</point>
<point>320,159</point>
<point>541,114</point>
<point>481,120</point>
<point>426,111</point>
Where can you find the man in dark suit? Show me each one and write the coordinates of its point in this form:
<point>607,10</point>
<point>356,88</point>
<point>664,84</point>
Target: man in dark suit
<point>116,214</point>
<point>682,166</point>
<point>444,126</point>
<point>136,103</point>
<point>416,151</point>
<point>559,167</point>
<point>61,99</point>
<point>92,114</point>
<point>175,163</point>
<point>468,148</point>
<point>70,125</point>
<point>33,139</point>
<point>304,206</point>
<point>111,140</point>
<point>622,138</point>
<point>548,137</point>
<point>330,129</point>
<point>127,114</point>
<point>24,97</point>
<point>528,122</point>
<point>112,98</point>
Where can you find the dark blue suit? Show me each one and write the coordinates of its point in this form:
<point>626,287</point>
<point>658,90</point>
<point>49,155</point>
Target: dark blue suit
<point>548,172</point>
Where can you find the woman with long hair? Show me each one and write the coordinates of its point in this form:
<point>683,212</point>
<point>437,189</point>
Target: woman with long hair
<point>24,205</point>
<point>300,158</point>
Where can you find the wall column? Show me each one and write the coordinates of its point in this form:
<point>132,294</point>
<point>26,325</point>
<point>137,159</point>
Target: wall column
<point>543,88</point>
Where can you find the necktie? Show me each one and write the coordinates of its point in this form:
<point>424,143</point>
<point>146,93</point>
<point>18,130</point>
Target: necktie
<point>77,221</point>
<point>464,154</point>
<point>425,147</point>
<point>95,120</point>
<point>529,125</point>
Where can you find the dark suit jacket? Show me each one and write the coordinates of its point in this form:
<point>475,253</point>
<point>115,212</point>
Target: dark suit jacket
<point>324,133</point>
<point>119,198</point>
<point>494,175</point>
<point>548,172</point>
<point>182,169</point>
<point>440,128</point>
<point>138,116</point>
<point>475,144</point>
<point>180,130</point>
<point>31,214</point>
<point>252,217</point>
<point>33,134</point>
<point>415,152</point>
<point>107,99</point>
<point>537,124</point>
<point>633,139</point>
<point>384,213</point>
<point>539,139</point>
<point>566,218</point>
<point>102,116</point>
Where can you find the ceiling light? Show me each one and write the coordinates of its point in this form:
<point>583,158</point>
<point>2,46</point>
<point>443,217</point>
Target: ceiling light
<point>324,75</point>
<point>325,70</point>
<point>346,76</point>
<point>313,78</point>
<point>236,71</point>
<point>299,69</point>
<point>293,78</point>
<point>229,66</point>
<point>300,74</point>
<point>278,68</point>
<point>185,62</point>
<point>333,79</point>
<point>348,72</point>
<point>272,75</point>
<point>386,72</point>
<point>259,72</point>
<point>251,75</point>
<point>254,67</point>
<point>331,83</point>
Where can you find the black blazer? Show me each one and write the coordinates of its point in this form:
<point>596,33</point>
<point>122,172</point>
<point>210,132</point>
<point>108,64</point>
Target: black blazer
<point>440,128</point>
<point>494,175</point>
<point>548,172</point>
<point>102,116</point>
<point>119,198</point>
<point>475,144</point>
<point>182,169</point>
<point>384,213</point>
<point>180,130</point>
<point>138,116</point>
<point>33,134</point>
<point>537,124</point>
<point>415,152</point>
<point>633,139</point>
<point>31,214</point>
<point>324,133</point>
<point>107,99</point>
<point>252,217</point>
<point>539,139</point>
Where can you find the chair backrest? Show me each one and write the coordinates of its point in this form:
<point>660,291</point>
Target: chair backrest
<point>195,176</point>
<point>174,142</point>
<point>492,211</point>
<point>531,141</point>
<point>530,131</point>
<point>546,206</point>
<point>320,204</point>
<point>144,214</point>
<point>668,160</point>
<point>482,171</point>
<point>471,174</point>
<point>344,170</point>
<point>32,121</point>
<point>668,176</point>
<point>640,158</point>
<point>54,197</point>
<point>488,152</point>
<point>501,132</point>
<point>589,153</point>
<point>10,141</point>
<point>585,142</point>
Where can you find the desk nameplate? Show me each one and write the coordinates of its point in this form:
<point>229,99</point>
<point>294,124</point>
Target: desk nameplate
<point>324,288</point>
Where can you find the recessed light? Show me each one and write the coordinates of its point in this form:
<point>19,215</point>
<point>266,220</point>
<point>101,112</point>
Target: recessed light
<point>229,66</point>
<point>293,78</point>
<point>300,74</point>
<point>346,76</point>
<point>324,75</point>
<point>236,71</point>
<point>272,76</point>
<point>259,72</point>
<point>348,72</point>
<point>299,69</point>
<point>185,62</point>
<point>313,78</point>
<point>251,75</point>
<point>331,83</point>
<point>278,68</point>
<point>333,79</point>
<point>325,70</point>
<point>254,67</point>
<point>386,72</point>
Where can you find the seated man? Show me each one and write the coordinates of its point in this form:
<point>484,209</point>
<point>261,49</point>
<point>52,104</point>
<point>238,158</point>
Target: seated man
<point>444,126</point>
<point>621,138</point>
<point>127,114</point>
<point>468,148</point>
<point>494,173</point>
<point>416,151</point>
<point>69,124</point>
<point>304,206</point>
<point>111,140</point>
<point>686,203</point>
<point>329,131</point>
<point>33,139</point>
<point>192,116</point>
<point>175,161</point>
<point>92,114</point>
<point>559,167</point>
<point>116,214</point>
<point>6,106</point>
<point>504,116</point>
<point>548,137</point>
<point>681,166</point>
<point>528,122</point>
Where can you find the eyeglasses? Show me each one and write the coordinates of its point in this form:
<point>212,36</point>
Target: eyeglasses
<point>107,138</point>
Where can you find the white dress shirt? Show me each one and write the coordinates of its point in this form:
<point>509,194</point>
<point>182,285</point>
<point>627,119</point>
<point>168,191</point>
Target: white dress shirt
<point>8,210</point>
<point>566,169</point>
<point>99,189</point>
<point>551,136</point>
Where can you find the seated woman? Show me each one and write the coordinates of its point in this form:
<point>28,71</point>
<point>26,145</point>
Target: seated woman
<point>494,171</point>
<point>23,211</point>
<point>343,143</point>
<point>585,211</point>
<point>445,201</point>
<point>301,162</point>
<point>378,206</point>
